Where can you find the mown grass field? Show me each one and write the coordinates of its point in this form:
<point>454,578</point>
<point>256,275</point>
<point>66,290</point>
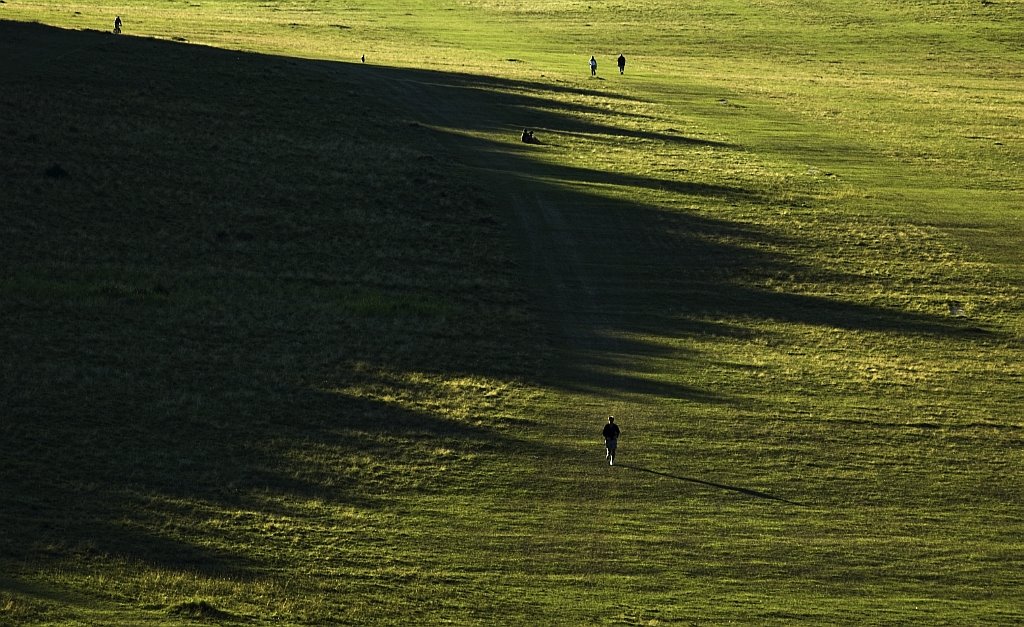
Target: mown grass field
<point>291,338</point>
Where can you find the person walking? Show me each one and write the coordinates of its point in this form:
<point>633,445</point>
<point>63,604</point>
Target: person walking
<point>593,66</point>
<point>622,63</point>
<point>117,25</point>
<point>611,439</point>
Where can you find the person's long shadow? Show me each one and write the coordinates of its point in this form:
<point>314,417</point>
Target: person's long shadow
<point>747,491</point>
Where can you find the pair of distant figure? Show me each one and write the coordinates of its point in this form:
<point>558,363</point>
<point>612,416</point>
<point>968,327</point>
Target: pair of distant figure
<point>621,62</point>
<point>528,137</point>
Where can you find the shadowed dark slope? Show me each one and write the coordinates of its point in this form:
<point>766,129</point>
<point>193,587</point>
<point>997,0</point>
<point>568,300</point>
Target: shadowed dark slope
<point>207,254</point>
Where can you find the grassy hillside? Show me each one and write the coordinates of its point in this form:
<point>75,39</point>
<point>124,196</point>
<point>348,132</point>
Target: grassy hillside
<point>292,338</point>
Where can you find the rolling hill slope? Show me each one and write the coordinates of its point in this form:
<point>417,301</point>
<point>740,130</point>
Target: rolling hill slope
<point>303,341</point>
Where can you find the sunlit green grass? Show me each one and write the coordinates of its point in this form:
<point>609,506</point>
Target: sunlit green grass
<point>303,342</point>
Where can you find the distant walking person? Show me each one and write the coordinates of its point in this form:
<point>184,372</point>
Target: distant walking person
<point>622,63</point>
<point>611,440</point>
<point>117,25</point>
<point>593,66</point>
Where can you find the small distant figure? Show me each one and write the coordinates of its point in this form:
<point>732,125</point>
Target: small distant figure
<point>117,25</point>
<point>622,63</point>
<point>611,440</point>
<point>528,137</point>
<point>363,58</point>
<point>593,66</point>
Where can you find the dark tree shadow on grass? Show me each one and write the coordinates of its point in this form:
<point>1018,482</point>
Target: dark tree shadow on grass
<point>186,297</point>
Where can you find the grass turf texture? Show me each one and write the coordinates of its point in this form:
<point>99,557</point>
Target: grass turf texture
<point>287,339</point>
